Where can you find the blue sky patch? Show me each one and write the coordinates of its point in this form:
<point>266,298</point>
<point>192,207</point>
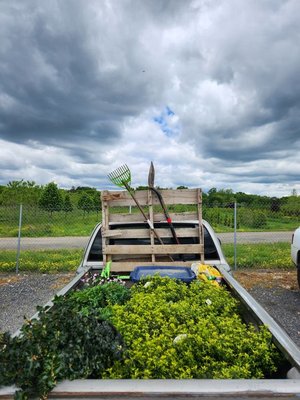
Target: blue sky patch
<point>164,120</point>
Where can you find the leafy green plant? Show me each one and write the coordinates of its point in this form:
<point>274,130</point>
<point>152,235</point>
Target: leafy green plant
<point>62,344</point>
<point>178,332</point>
<point>99,298</point>
<point>160,328</point>
<point>91,278</point>
<point>51,199</point>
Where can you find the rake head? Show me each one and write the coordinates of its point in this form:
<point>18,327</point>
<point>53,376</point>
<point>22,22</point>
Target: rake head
<point>120,176</point>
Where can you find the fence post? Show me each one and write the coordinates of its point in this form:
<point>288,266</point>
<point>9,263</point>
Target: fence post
<point>234,235</point>
<point>19,238</point>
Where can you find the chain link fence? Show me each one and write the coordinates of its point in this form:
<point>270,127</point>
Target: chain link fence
<point>32,239</point>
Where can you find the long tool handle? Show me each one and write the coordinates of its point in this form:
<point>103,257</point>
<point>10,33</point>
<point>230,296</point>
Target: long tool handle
<point>168,218</point>
<point>144,215</point>
<point>151,176</point>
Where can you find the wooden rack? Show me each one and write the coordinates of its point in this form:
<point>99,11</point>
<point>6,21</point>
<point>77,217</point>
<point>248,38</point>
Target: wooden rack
<point>126,256</point>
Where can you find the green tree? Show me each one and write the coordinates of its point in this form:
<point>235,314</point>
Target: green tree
<point>97,202</point>
<point>51,198</point>
<point>85,203</point>
<point>17,192</point>
<point>292,206</point>
<point>67,206</point>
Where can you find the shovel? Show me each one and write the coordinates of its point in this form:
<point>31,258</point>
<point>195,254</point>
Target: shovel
<point>151,176</point>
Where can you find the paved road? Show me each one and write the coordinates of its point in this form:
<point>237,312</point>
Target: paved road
<point>79,242</point>
<point>256,237</point>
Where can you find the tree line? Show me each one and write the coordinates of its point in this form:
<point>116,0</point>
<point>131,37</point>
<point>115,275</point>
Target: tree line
<point>51,198</point>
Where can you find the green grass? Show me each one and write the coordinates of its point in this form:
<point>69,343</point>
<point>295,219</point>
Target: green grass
<point>45,261</point>
<point>260,256</point>
<point>38,223</point>
<point>256,256</point>
<point>282,224</point>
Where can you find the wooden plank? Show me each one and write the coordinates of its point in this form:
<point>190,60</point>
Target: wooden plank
<point>111,233</point>
<point>144,233</point>
<point>180,196</point>
<point>154,249</point>
<point>120,198</point>
<point>158,217</point>
<point>170,196</point>
<point>105,227</point>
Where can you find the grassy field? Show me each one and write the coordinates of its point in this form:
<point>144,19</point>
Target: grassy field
<point>45,261</point>
<point>38,223</point>
<point>260,256</point>
<point>256,256</point>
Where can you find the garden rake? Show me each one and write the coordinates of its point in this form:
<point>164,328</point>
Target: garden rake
<point>122,178</point>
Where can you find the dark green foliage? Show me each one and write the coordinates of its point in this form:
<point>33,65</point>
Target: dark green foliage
<point>292,206</point>
<point>67,206</point>
<point>252,218</point>
<point>85,202</point>
<point>63,344</point>
<point>97,202</point>
<point>99,298</point>
<point>17,192</point>
<point>173,331</point>
<point>51,199</point>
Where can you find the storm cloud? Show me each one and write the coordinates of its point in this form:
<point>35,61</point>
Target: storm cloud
<point>208,90</point>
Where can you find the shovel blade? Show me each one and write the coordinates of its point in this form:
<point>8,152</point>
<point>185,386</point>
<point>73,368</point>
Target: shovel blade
<point>151,175</point>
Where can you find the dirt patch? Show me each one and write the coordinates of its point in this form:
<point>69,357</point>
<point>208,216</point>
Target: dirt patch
<point>10,279</point>
<point>62,281</point>
<point>267,278</point>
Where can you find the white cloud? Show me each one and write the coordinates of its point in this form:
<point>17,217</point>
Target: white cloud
<point>81,84</point>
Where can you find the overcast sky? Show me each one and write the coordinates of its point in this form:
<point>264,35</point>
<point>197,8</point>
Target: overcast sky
<point>208,90</point>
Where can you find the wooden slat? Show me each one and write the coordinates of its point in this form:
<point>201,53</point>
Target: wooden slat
<point>170,196</point>
<point>144,233</point>
<point>111,233</point>
<point>158,217</point>
<point>155,249</point>
<point>105,223</point>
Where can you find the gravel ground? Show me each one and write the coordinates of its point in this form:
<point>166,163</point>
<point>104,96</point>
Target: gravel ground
<point>283,305</point>
<point>276,291</point>
<point>21,294</point>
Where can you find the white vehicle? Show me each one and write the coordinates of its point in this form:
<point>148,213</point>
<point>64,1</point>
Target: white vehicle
<point>295,252</point>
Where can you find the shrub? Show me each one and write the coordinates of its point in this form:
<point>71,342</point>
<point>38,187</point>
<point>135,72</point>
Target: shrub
<point>252,218</point>
<point>169,330</point>
<point>178,332</point>
<point>63,344</point>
